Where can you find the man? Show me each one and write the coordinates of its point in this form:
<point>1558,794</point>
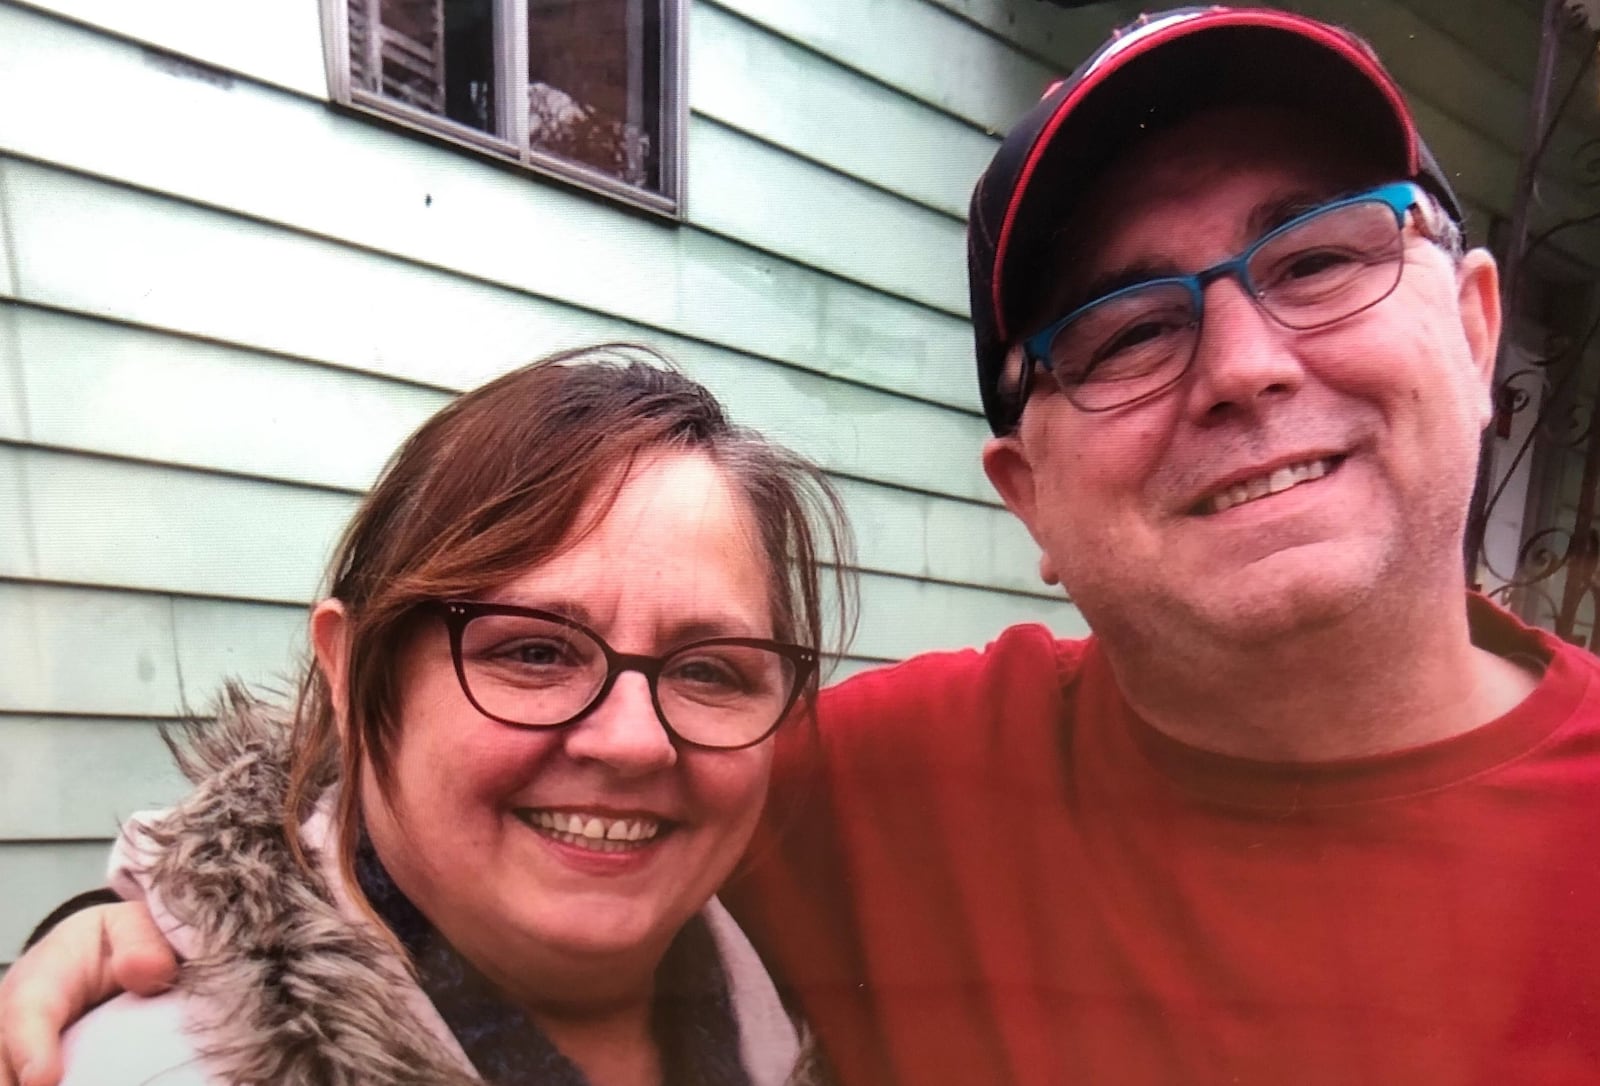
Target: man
<point>1299,811</point>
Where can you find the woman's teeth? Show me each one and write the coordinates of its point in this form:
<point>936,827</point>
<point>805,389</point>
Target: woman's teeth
<point>592,831</point>
<point>1275,482</point>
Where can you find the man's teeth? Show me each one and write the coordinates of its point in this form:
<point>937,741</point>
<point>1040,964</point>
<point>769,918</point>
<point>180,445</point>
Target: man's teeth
<point>1274,483</point>
<point>590,831</point>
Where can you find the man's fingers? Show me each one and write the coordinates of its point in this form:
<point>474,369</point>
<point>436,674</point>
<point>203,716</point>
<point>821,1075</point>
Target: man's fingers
<point>35,1035</point>
<point>47,989</point>
<point>85,959</point>
<point>140,959</point>
<point>7,1077</point>
<point>32,1051</point>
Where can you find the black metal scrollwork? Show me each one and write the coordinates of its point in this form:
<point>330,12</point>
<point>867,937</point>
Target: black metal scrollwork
<point>1587,161</point>
<point>1554,582</point>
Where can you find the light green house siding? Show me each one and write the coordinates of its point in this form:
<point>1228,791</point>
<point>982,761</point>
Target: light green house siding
<point>222,304</point>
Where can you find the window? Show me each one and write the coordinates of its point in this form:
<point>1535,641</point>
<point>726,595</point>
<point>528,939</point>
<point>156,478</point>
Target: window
<point>588,90</point>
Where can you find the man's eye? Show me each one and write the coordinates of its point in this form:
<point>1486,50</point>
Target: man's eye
<point>1132,344</point>
<point>1134,337</point>
<point>1316,262</point>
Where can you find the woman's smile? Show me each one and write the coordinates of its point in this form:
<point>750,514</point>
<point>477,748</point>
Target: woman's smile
<point>594,831</point>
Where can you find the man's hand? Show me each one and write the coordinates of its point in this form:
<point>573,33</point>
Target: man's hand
<point>87,958</point>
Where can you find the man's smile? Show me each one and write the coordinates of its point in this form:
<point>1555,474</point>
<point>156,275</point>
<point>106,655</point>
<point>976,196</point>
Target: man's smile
<point>1266,482</point>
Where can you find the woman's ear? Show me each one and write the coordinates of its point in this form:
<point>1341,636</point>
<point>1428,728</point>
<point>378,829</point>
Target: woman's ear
<point>330,628</point>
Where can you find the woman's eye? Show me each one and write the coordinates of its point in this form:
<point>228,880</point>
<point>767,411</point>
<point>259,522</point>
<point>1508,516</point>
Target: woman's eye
<point>703,671</point>
<point>536,654</point>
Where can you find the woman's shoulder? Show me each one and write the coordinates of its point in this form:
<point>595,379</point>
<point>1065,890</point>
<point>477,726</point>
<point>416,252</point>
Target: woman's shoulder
<point>133,1040</point>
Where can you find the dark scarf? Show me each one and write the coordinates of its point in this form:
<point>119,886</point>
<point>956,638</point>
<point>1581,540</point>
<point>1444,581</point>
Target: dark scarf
<point>692,1018</point>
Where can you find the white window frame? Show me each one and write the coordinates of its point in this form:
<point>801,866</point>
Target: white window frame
<point>511,64</point>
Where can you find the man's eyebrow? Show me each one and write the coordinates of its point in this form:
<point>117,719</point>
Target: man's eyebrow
<point>1141,271</point>
<point>1274,213</point>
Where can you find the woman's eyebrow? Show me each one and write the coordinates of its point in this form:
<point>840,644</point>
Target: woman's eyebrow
<point>566,608</point>
<point>680,632</point>
<point>700,629</point>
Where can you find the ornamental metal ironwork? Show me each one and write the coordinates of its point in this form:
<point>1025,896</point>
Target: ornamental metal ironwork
<point>1533,537</point>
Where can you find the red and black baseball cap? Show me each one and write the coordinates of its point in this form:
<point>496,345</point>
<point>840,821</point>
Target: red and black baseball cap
<point>1154,73</point>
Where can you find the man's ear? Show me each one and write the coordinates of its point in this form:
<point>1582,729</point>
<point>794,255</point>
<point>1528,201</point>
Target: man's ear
<point>1478,296</point>
<point>330,628</point>
<point>1010,472</point>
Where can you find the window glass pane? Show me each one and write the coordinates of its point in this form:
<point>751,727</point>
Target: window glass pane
<point>594,85</point>
<point>432,55</point>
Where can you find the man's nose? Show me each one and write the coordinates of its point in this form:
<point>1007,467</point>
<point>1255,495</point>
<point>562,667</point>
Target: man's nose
<point>624,732</point>
<point>1243,358</point>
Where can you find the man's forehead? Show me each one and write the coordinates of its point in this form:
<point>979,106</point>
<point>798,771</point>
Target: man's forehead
<point>1235,148</point>
<point>1250,206</point>
<point>1223,177</point>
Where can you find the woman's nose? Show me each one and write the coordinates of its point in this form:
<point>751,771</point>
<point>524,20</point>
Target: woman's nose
<point>624,731</point>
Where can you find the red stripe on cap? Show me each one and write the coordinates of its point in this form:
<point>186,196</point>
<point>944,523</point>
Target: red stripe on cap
<point>1306,28</point>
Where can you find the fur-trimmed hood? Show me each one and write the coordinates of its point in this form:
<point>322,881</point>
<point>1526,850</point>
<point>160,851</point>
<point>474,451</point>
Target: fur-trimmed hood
<point>284,980</point>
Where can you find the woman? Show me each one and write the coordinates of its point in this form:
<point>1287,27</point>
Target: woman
<point>560,633</point>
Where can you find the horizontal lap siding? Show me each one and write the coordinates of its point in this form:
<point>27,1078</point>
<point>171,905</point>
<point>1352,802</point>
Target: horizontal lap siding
<point>82,775</point>
<point>168,397</point>
<point>278,42</point>
<point>89,521</point>
<point>206,354</point>
<point>811,106</point>
<point>38,876</point>
<point>193,270</point>
<point>75,520</point>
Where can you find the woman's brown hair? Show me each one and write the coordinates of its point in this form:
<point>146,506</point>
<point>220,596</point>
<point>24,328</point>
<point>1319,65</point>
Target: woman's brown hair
<point>495,483</point>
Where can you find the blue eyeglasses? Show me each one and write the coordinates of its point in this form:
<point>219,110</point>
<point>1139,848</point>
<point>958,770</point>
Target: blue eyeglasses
<point>1320,267</point>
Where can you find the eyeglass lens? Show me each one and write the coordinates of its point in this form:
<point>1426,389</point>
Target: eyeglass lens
<point>535,671</point>
<point>1324,268</point>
